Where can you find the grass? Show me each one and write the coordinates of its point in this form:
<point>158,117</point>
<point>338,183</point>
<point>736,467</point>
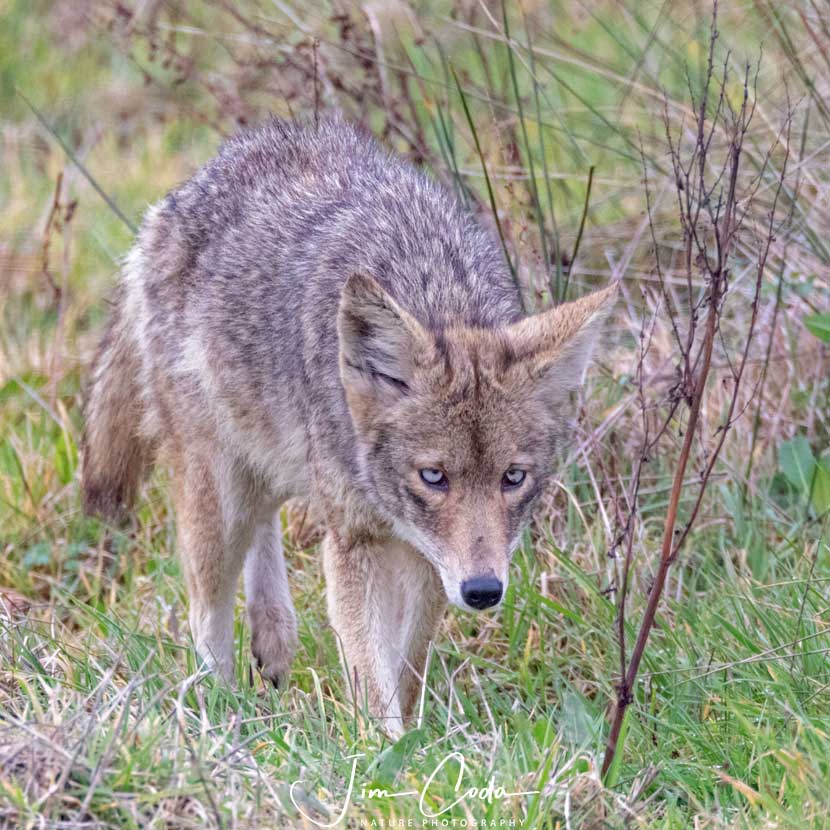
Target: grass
<point>104,720</point>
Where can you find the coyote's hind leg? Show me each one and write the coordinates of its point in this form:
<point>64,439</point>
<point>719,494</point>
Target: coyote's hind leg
<point>270,610</point>
<point>214,531</point>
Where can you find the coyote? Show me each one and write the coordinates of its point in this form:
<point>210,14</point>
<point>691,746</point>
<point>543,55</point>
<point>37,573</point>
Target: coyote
<point>311,316</point>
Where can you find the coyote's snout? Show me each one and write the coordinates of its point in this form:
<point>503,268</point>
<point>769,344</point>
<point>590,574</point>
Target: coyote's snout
<point>311,316</point>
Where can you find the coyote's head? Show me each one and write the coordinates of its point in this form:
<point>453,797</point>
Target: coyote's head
<point>458,428</point>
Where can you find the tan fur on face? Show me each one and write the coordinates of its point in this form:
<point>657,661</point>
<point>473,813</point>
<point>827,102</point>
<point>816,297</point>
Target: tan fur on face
<point>471,402</point>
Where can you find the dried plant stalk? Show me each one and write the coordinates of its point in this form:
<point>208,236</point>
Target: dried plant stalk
<point>713,213</point>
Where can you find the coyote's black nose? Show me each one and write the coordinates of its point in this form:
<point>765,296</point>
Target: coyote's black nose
<point>481,592</point>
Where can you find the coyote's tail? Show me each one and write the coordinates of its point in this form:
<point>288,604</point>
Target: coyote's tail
<point>116,453</point>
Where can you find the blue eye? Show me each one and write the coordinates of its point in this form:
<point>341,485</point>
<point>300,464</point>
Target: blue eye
<point>433,477</point>
<point>514,477</point>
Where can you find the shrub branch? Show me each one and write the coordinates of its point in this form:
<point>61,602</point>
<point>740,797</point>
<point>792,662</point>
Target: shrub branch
<point>713,211</point>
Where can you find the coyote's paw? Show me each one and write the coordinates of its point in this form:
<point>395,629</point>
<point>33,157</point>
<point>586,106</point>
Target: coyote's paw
<point>273,641</point>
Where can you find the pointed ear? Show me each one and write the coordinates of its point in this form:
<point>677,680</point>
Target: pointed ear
<point>381,344</point>
<point>554,347</point>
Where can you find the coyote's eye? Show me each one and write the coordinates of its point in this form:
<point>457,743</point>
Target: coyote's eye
<point>433,477</point>
<point>513,478</point>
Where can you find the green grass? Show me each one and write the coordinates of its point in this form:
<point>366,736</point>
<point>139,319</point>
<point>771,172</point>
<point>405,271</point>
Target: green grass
<point>100,694</point>
<point>104,721</point>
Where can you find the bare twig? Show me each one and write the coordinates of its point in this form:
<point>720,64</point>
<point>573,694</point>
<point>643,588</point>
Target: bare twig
<point>713,207</point>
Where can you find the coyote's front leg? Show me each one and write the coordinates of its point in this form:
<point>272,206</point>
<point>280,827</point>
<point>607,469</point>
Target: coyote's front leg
<point>385,602</point>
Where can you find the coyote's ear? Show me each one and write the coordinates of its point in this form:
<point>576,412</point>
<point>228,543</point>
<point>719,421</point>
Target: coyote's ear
<point>381,344</point>
<point>555,346</point>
